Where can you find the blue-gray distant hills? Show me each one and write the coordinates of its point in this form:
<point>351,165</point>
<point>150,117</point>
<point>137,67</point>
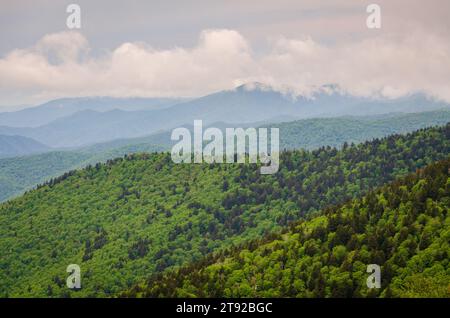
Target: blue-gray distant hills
<point>63,107</point>
<point>241,105</point>
<point>11,146</point>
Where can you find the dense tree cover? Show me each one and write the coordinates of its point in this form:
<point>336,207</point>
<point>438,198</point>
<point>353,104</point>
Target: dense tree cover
<point>141,214</point>
<point>404,227</point>
<point>317,132</point>
<point>20,174</point>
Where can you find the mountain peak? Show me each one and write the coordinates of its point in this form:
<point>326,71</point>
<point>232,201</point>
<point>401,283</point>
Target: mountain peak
<point>254,86</point>
<point>326,89</point>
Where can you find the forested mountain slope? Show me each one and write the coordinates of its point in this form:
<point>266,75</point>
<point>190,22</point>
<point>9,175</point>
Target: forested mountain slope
<point>404,227</point>
<point>135,216</point>
<point>305,133</point>
<point>18,174</point>
<point>301,134</point>
<point>318,132</point>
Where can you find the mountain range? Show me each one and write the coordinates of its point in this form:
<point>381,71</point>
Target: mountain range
<point>91,124</point>
<point>11,146</point>
<point>98,188</point>
<point>22,173</point>
<point>45,113</point>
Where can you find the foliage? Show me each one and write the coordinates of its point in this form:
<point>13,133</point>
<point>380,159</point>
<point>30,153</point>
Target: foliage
<point>317,132</point>
<point>404,227</point>
<point>141,214</point>
<point>20,173</point>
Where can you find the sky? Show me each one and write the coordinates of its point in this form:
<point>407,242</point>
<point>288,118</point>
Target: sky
<point>193,48</point>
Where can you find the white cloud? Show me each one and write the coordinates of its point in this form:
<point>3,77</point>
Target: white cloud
<point>388,65</point>
<point>60,65</point>
<point>65,46</point>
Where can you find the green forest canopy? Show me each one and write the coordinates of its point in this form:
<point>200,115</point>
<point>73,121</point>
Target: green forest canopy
<point>142,214</point>
<point>404,227</point>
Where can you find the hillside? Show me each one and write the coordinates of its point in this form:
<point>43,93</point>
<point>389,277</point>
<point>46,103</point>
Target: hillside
<point>301,134</point>
<point>309,133</point>
<point>404,227</point>
<point>142,214</point>
<point>11,146</point>
<point>318,132</point>
<point>19,174</point>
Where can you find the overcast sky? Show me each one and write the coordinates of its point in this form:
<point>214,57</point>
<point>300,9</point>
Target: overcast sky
<point>192,48</point>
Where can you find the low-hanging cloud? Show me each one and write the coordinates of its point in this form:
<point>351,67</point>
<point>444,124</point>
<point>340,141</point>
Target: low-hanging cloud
<point>61,64</point>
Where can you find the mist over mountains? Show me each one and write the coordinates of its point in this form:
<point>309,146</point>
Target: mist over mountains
<point>45,113</point>
<point>11,146</point>
<point>76,122</point>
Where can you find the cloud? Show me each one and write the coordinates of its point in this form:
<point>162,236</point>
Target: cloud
<point>65,46</point>
<point>60,64</point>
<point>388,66</point>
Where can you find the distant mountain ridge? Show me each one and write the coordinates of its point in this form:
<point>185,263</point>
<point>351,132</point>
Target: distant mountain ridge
<point>318,132</point>
<point>305,133</point>
<point>63,107</point>
<point>11,146</point>
<point>245,104</point>
<point>20,174</point>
